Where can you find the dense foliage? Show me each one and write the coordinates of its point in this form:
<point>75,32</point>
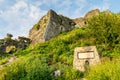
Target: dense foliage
<point>106,29</point>
<point>40,62</point>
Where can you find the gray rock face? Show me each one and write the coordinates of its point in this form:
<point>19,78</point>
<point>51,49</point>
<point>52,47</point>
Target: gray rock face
<point>51,25</point>
<point>85,57</point>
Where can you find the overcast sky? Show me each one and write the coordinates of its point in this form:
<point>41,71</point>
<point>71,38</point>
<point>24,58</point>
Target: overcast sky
<point>18,16</point>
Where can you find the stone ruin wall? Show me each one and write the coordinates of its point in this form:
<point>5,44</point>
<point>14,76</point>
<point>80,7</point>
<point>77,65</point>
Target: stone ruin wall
<point>36,35</point>
<point>10,45</point>
<point>57,24</point>
<point>54,25</point>
<point>82,21</point>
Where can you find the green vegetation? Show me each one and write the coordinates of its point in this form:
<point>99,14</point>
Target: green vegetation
<point>52,55</point>
<point>106,29</point>
<point>105,71</point>
<point>39,62</point>
<point>37,26</point>
<point>3,61</point>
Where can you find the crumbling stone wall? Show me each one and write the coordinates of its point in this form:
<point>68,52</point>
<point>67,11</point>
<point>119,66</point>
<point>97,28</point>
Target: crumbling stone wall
<point>50,25</point>
<point>8,45</point>
<point>57,24</point>
<point>37,34</point>
<point>92,13</point>
<point>82,22</point>
<point>23,42</point>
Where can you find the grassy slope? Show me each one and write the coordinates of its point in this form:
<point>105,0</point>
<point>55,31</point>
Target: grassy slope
<point>47,57</point>
<point>39,62</point>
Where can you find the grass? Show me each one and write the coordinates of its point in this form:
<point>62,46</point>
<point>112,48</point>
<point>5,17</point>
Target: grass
<point>3,61</point>
<point>39,62</point>
<point>44,58</point>
<point>105,71</point>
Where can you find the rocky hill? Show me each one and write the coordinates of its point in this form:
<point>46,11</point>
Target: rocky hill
<point>53,24</point>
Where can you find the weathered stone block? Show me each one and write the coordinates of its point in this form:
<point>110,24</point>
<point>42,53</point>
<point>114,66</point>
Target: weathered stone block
<point>10,49</point>
<point>85,56</point>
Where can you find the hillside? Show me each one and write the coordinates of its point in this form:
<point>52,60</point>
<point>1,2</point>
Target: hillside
<point>40,62</point>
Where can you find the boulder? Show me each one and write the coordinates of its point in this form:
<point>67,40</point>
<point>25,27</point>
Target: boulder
<point>58,73</point>
<point>10,49</point>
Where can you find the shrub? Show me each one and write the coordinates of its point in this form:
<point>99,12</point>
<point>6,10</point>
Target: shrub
<point>26,69</point>
<point>3,61</point>
<point>37,26</point>
<point>105,28</point>
<point>105,71</point>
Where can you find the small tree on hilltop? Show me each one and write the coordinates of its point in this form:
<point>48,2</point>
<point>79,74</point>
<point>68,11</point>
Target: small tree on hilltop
<point>8,37</point>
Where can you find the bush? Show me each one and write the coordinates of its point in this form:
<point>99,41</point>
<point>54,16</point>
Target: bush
<point>37,26</point>
<point>105,28</point>
<point>26,69</point>
<point>105,71</point>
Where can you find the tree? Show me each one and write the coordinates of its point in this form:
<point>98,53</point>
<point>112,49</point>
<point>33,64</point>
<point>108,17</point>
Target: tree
<point>8,37</point>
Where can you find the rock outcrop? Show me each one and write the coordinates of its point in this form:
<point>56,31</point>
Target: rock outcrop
<point>8,45</point>
<point>49,26</point>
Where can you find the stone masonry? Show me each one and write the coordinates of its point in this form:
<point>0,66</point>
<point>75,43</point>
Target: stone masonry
<point>82,21</point>
<point>53,24</point>
<point>49,26</point>
<point>85,55</point>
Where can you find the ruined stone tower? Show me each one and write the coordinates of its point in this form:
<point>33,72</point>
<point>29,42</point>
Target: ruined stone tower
<point>49,26</point>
